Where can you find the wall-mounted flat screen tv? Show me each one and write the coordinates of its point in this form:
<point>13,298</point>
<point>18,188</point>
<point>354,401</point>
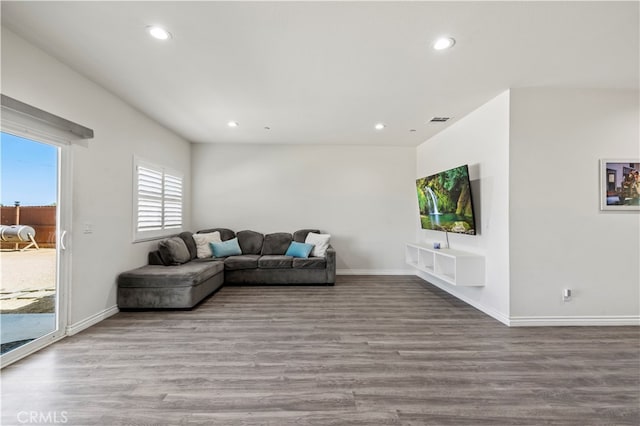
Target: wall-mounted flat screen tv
<point>445,201</point>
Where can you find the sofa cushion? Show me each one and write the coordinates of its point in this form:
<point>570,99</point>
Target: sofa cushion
<point>309,263</point>
<point>245,261</point>
<point>187,237</point>
<point>174,251</point>
<point>301,235</point>
<point>189,274</point>
<point>276,243</point>
<point>225,234</point>
<point>226,248</point>
<point>250,242</point>
<point>209,260</point>
<point>320,242</point>
<point>274,261</point>
<point>299,249</point>
<point>203,249</point>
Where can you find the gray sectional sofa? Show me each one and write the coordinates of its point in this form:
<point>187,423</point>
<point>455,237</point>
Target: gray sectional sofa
<point>181,284</point>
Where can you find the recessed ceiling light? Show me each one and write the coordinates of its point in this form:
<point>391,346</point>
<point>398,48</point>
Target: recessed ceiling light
<point>233,124</point>
<point>380,126</point>
<point>444,43</point>
<point>158,32</point>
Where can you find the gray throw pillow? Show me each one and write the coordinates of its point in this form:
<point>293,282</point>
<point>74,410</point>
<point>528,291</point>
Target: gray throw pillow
<point>174,251</point>
<point>187,237</point>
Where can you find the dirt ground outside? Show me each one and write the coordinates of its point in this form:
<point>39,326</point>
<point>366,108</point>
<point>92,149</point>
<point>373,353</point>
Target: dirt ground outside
<point>27,281</point>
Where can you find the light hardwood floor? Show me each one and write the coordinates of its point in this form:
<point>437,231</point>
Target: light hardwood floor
<point>369,351</point>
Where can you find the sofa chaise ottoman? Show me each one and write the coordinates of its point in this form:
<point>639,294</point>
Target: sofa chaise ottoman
<point>159,286</point>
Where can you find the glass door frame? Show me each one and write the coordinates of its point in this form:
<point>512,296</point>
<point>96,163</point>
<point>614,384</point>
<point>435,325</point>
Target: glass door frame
<point>63,234</point>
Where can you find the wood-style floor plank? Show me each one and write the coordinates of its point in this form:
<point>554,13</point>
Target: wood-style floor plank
<point>372,350</point>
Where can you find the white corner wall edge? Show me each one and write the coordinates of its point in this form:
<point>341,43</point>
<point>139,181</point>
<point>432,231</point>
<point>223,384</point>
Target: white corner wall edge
<point>374,272</point>
<point>542,321</point>
<point>92,320</point>
<point>452,291</point>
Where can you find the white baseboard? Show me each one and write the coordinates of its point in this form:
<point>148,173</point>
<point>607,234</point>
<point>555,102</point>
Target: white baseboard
<point>539,321</point>
<point>542,321</point>
<point>374,272</point>
<point>92,320</point>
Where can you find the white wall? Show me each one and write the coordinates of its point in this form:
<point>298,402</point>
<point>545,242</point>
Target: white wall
<point>102,169</point>
<point>559,237</point>
<point>363,196</point>
<point>480,140</point>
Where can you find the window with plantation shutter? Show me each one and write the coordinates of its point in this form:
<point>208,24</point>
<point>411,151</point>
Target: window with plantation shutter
<point>158,201</point>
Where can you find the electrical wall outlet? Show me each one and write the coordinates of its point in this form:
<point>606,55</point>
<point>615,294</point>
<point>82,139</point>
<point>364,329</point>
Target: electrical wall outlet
<point>566,294</point>
<point>87,228</point>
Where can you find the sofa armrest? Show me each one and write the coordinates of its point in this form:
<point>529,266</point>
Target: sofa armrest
<point>331,265</point>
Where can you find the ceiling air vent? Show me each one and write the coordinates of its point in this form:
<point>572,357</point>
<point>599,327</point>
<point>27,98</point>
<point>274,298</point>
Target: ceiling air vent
<point>438,119</point>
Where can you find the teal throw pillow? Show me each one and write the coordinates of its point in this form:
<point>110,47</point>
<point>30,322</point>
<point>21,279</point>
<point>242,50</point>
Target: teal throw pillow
<point>226,248</point>
<point>299,250</point>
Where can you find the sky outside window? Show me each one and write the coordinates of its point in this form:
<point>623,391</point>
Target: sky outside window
<point>28,172</point>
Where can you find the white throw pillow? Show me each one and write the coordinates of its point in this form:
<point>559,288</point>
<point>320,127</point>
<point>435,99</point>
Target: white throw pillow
<point>202,243</point>
<point>320,243</point>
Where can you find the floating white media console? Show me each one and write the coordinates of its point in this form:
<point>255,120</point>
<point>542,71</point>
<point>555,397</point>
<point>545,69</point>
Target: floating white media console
<point>451,266</point>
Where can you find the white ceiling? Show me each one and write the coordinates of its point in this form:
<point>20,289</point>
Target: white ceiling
<point>326,72</point>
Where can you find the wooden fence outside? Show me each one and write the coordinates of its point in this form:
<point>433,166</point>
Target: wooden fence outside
<point>41,218</point>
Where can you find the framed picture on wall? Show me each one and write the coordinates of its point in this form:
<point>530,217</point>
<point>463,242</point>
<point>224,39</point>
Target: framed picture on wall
<point>620,184</point>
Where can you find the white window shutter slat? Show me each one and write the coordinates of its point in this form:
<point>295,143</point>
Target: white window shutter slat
<point>159,200</point>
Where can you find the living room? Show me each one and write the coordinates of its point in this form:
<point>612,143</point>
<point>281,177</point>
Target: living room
<point>533,146</point>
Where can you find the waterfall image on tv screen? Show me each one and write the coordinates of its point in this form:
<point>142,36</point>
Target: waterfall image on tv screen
<point>445,202</point>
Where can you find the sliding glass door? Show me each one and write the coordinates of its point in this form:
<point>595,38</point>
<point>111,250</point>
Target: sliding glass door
<point>32,240</point>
